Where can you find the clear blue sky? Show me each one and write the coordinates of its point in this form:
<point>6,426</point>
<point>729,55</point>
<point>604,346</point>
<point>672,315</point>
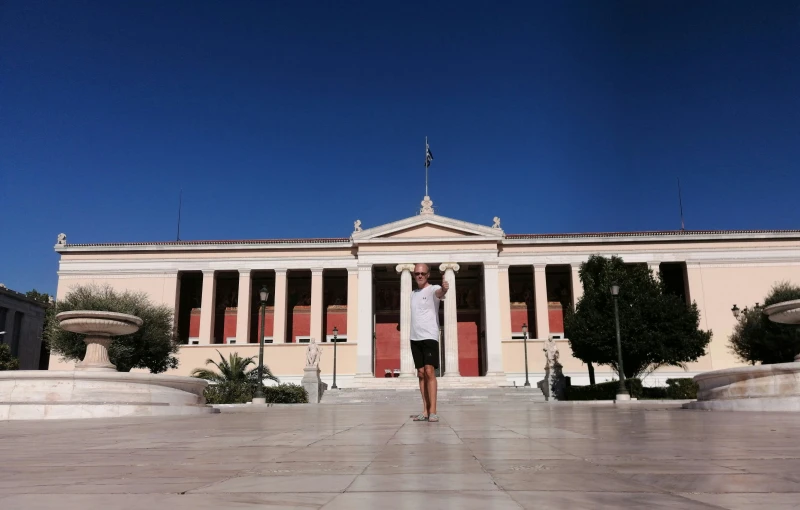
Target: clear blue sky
<point>294,118</point>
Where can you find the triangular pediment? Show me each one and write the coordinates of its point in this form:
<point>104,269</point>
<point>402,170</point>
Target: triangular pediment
<point>430,226</point>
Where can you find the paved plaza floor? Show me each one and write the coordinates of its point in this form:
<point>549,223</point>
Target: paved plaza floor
<point>352,457</point>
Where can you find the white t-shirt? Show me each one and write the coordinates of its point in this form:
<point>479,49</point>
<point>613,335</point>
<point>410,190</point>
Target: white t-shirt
<point>425,313</point>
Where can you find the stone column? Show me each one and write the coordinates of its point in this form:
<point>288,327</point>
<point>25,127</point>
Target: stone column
<point>243,307</point>
<point>505,302</point>
<point>450,321</point>
<point>494,349</point>
<point>352,304</point>
<point>406,360</point>
<point>365,327</point>
<point>207,307</point>
<point>655,266</point>
<point>542,311</point>
<point>317,311</point>
<point>279,319</point>
<point>577,286</point>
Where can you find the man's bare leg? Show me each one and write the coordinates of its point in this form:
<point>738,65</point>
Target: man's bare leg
<point>432,386</point>
<point>421,375</point>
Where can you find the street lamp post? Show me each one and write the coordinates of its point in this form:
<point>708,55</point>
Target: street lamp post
<point>525,344</point>
<point>259,398</point>
<point>335,341</point>
<point>622,392</point>
<point>735,311</point>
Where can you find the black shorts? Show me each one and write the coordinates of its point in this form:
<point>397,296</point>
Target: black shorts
<point>425,352</point>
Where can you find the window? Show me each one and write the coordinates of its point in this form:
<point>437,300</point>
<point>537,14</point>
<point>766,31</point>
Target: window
<point>303,339</point>
<point>267,339</point>
<point>194,341</point>
<point>230,340</point>
<point>339,339</point>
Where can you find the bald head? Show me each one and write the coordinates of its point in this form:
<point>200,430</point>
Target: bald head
<point>421,274</point>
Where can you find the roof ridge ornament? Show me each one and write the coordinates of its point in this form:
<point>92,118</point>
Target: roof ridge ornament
<point>496,223</point>
<point>427,206</point>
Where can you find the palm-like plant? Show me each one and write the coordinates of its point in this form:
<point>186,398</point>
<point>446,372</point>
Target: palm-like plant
<point>232,382</point>
<point>232,371</point>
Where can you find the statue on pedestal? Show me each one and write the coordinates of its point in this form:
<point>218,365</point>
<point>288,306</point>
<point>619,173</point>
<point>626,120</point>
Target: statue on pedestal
<point>311,379</point>
<point>313,354</point>
<point>554,385</point>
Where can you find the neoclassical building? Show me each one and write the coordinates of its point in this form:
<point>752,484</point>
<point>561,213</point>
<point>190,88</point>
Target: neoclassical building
<point>360,285</point>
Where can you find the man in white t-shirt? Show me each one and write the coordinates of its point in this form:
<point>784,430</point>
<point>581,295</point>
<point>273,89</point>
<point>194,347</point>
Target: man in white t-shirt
<point>425,337</point>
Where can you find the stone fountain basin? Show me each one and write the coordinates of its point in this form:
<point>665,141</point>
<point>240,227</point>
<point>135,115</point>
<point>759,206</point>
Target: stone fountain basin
<point>786,312</point>
<point>39,394</point>
<point>757,388</point>
<point>99,323</point>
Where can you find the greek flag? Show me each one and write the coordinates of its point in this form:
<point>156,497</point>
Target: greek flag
<point>428,156</point>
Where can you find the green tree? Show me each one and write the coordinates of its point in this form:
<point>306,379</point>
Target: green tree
<point>7,361</point>
<point>657,328</point>
<point>152,347</point>
<point>49,312</point>
<point>756,339</point>
<point>232,382</point>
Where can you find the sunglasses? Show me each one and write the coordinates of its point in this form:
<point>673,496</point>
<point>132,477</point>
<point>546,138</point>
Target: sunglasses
<point>420,274</point>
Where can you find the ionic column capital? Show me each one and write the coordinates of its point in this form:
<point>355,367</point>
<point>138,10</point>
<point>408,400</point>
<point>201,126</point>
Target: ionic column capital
<point>449,265</point>
<point>280,271</point>
<point>209,272</point>
<point>404,267</point>
<point>245,272</point>
<point>316,271</point>
<point>539,268</point>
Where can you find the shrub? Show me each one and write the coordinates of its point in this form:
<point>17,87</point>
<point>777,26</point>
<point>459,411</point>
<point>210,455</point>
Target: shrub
<point>681,389</point>
<point>152,347</point>
<point>7,361</point>
<point>229,393</point>
<point>604,391</point>
<point>653,393</point>
<point>756,339</point>
<point>286,394</point>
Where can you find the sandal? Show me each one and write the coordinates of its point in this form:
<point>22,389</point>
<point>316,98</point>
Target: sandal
<point>433,418</point>
<point>420,417</point>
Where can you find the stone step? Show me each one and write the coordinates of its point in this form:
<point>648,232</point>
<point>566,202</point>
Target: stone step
<point>472,395</point>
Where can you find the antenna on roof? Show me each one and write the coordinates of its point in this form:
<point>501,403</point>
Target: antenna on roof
<point>680,204</point>
<point>180,203</point>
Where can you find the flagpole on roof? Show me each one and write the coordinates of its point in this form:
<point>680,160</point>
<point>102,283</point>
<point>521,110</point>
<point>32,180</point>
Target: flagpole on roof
<point>426,166</point>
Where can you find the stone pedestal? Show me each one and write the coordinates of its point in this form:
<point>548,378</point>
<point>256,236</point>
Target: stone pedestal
<point>312,384</point>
